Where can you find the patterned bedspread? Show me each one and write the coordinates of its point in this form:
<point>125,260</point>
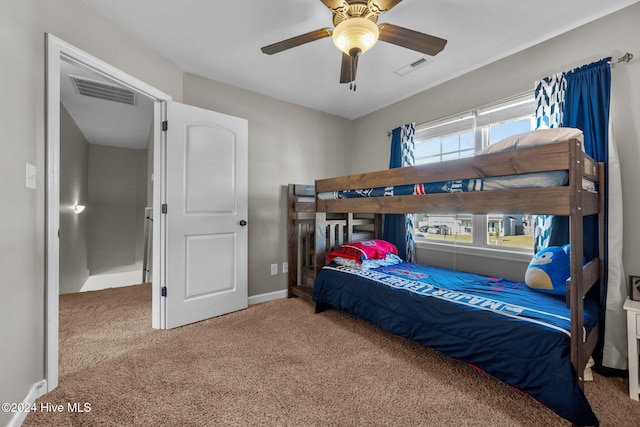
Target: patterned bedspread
<point>530,180</point>
<point>516,334</point>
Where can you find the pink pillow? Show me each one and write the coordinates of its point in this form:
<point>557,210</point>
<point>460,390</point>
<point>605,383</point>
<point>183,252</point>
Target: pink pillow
<point>368,249</point>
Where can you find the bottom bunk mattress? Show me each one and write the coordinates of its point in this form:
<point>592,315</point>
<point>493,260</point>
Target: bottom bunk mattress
<point>516,334</point>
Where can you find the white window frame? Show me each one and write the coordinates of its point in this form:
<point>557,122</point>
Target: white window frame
<point>479,119</point>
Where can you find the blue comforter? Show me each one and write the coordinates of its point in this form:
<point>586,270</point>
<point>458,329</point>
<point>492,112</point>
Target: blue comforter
<point>528,180</point>
<point>518,335</point>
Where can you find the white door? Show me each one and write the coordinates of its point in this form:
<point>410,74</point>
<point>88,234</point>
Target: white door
<point>204,227</point>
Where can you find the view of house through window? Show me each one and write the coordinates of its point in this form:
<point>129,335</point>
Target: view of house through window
<point>454,228</point>
<point>463,136</point>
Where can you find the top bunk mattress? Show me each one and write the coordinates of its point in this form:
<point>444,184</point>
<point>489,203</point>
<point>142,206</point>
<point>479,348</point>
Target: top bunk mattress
<point>508,182</point>
<point>544,158</point>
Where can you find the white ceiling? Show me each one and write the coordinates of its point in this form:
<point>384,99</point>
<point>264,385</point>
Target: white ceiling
<point>221,40</point>
<point>105,122</point>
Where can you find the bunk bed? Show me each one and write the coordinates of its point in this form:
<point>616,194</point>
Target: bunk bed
<point>553,372</point>
<point>301,226</point>
<point>301,222</point>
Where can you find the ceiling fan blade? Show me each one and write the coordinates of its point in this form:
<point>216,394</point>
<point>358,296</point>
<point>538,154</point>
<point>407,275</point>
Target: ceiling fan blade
<point>297,41</point>
<point>333,4</point>
<point>339,8</point>
<point>345,69</point>
<point>384,5</point>
<point>414,40</point>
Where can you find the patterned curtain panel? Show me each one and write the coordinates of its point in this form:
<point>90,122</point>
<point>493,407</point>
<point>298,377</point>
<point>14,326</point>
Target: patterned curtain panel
<point>550,101</point>
<point>408,159</point>
<point>398,228</point>
<point>550,92</point>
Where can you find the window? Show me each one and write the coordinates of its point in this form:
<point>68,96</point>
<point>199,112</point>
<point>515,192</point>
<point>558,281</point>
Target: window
<point>463,136</point>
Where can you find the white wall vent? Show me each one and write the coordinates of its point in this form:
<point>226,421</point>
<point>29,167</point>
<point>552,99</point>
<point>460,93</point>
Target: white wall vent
<point>403,71</point>
<point>102,90</point>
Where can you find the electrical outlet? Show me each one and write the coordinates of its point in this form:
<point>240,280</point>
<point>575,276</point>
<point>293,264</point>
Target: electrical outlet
<point>274,269</point>
<point>285,267</point>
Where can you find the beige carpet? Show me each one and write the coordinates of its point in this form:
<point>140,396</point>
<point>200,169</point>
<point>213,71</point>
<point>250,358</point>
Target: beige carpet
<point>276,364</point>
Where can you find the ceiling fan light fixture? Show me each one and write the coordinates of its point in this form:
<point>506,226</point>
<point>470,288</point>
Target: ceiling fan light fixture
<point>355,33</point>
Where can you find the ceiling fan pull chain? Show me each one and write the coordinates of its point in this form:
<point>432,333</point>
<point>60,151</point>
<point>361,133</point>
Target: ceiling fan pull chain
<point>352,71</point>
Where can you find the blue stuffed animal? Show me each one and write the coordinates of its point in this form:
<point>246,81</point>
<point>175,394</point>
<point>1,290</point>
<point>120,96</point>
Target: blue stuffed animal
<point>549,270</point>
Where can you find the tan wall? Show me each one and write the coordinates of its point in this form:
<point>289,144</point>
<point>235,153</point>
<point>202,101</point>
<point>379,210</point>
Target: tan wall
<point>117,197</point>
<point>287,144</point>
<point>23,24</point>
<point>609,36</point>
<point>109,233</point>
<point>77,24</point>
<point>74,189</point>
<point>21,262</point>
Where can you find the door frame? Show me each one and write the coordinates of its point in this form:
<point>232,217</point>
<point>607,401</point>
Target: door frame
<point>56,50</point>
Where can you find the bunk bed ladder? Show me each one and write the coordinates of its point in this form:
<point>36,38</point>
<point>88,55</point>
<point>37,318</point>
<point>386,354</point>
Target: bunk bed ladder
<point>301,240</point>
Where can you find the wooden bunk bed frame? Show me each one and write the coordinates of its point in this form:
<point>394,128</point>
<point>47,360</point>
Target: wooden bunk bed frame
<point>570,200</point>
<point>339,228</point>
<point>300,236</point>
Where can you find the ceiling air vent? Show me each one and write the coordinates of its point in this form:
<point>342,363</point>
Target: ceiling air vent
<point>102,90</point>
<point>403,71</point>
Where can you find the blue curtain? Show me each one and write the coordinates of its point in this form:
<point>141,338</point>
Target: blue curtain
<point>398,228</point>
<point>581,99</point>
<point>586,107</point>
<point>586,92</point>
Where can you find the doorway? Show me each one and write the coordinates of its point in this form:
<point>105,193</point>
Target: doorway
<point>58,51</point>
<point>106,146</point>
<point>200,194</point>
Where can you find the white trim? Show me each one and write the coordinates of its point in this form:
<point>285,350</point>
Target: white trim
<point>52,202</point>
<point>512,101</point>
<point>108,71</point>
<point>158,315</point>
<point>476,251</point>
<point>269,296</point>
<point>56,50</point>
<point>446,121</point>
<point>37,390</point>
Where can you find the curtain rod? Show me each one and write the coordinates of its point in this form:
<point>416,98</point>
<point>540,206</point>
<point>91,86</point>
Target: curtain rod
<point>624,58</point>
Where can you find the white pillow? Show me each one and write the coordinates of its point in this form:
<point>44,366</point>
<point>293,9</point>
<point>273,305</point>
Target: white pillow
<point>533,138</point>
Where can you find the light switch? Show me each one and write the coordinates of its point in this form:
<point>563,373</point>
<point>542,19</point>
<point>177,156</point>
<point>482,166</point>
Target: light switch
<point>31,176</point>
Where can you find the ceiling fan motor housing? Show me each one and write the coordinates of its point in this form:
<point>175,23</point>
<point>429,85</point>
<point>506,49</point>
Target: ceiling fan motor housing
<point>356,9</point>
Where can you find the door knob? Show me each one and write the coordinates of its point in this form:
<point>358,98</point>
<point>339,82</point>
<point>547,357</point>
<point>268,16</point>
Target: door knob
<point>243,222</point>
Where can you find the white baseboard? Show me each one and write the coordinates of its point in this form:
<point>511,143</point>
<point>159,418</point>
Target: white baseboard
<point>36,390</point>
<point>269,296</point>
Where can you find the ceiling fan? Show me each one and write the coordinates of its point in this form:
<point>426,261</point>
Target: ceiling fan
<point>356,31</point>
